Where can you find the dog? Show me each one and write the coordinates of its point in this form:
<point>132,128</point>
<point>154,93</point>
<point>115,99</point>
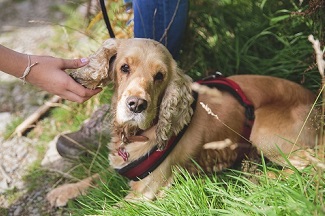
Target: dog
<point>154,102</point>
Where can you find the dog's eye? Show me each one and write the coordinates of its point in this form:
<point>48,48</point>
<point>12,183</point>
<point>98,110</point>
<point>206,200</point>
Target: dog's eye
<point>125,68</point>
<point>159,76</point>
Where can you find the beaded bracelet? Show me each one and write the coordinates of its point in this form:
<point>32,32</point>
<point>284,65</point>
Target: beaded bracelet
<point>27,70</point>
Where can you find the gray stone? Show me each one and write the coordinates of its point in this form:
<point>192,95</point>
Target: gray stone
<point>18,210</point>
<point>5,119</point>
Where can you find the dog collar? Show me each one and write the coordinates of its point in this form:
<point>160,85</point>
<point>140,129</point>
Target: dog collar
<point>126,140</point>
<point>146,164</point>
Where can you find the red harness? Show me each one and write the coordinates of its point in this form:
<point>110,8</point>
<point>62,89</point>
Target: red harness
<point>143,166</point>
<point>223,83</point>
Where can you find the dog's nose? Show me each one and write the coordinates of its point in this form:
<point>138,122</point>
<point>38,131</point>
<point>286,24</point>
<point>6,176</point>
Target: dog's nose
<point>136,105</point>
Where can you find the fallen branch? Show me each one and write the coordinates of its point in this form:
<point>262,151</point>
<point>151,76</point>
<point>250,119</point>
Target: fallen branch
<point>28,123</point>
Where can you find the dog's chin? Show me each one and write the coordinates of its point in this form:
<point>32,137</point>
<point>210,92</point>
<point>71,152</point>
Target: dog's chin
<point>147,123</point>
<point>141,121</point>
<point>140,125</point>
<point>134,125</point>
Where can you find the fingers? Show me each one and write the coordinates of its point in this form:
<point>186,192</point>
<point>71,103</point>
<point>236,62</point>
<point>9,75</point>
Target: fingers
<point>90,92</point>
<point>73,91</point>
<point>76,92</point>
<point>79,93</point>
<point>80,97</point>
<point>73,97</point>
<point>74,63</point>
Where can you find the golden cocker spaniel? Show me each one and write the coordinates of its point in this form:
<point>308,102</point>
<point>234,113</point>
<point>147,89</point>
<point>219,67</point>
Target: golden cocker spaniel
<point>154,102</point>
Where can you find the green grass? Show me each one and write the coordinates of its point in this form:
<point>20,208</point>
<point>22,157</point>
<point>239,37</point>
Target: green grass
<point>251,37</point>
<point>227,193</point>
<point>10,128</point>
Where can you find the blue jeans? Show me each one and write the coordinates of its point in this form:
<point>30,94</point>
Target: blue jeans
<point>162,20</point>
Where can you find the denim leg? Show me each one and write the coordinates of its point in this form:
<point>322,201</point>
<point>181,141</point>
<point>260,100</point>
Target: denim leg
<point>161,20</point>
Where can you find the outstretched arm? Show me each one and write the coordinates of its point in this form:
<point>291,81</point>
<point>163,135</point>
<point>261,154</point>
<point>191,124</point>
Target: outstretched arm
<point>48,74</point>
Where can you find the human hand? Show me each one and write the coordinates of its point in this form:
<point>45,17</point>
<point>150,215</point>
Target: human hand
<point>50,76</point>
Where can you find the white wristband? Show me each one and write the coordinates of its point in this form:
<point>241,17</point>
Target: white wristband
<point>27,70</point>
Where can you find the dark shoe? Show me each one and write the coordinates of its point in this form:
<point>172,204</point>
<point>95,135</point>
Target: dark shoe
<point>90,137</point>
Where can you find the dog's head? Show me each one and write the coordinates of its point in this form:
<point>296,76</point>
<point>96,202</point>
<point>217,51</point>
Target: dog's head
<point>150,90</point>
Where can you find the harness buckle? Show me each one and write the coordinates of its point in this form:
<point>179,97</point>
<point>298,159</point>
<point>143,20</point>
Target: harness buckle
<point>215,75</point>
<point>249,112</point>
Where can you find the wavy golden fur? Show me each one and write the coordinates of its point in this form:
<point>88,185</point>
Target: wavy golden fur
<point>153,97</point>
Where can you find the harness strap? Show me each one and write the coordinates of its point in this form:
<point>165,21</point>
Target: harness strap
<point>223,83</point>
<point>143,166</point>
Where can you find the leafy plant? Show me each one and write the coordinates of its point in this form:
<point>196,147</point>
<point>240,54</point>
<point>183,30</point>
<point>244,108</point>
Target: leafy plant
<point>250,37</point>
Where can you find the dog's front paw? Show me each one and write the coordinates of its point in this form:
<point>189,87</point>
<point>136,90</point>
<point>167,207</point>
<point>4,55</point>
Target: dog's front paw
<point>60,196</point>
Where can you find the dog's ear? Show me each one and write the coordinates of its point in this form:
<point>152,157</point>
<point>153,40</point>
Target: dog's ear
<point>99,70</point>
<point>175,109</point>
